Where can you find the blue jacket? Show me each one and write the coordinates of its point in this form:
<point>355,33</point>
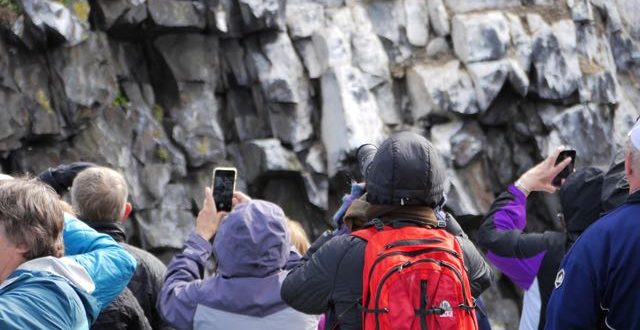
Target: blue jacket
<point>600,276</point>
<point>68,292</point>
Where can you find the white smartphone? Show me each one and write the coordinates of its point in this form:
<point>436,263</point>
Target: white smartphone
<point>224,184</point>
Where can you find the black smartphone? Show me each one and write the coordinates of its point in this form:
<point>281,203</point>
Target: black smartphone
<point>564,154</point>
<point>224,184</point>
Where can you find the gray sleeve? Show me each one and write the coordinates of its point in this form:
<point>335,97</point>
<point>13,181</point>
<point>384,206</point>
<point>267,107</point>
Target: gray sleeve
<point>478,270</point>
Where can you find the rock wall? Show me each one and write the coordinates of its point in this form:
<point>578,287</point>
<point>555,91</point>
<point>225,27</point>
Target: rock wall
<point>165,90</point>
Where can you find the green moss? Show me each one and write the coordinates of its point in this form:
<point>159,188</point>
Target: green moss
<point>11,5</point>
<point>81,9</point>
<point>203,146</point>
<point>162,153</point>
<point>43,101</point>
<point>156,133</point>
<point>158,113</point>
<point>121,100</point>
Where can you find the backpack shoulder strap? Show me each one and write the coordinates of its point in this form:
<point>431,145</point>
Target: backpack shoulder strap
<point>369,230</point>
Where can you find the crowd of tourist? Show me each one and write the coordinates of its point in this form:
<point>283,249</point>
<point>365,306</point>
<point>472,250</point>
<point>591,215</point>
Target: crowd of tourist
<point>396,258</point>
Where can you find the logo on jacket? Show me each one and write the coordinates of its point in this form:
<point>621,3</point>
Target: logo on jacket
<point>559,278</point>
<point>446,307</point>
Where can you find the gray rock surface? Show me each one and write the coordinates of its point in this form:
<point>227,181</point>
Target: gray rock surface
<point>462,6</point>
<point>480,37</point>
<point>166,90</point>
<point>554,57</point>
<point>83,77</point>
<point>121,12</point>
<point>177,14</point>
<point>267,157</point>
<point>417,22</point>
<point>439,89</point>
<point>439,17</point>
<point>262,14</point>
<point>56,20</point>
<point>284,87</point>
<point>467,144</point>
<point>349,115</point>
<point>304,18</point>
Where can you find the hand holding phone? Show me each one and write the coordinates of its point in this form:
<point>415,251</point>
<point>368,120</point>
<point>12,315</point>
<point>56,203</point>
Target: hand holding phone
<point>208,218</point>
<point>224,184</point>
<point>564,154</point>
<point>548,174</point>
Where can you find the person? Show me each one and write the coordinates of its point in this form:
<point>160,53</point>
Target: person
<point>405,179</point>
<point>252,247</point>
<point>298,236</point>
<point>597,283</point>
<point>45,284</point>
<point>99,195</point>
<point>531,260</point>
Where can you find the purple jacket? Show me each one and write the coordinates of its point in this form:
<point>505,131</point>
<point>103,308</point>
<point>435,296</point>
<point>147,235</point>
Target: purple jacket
<point>530,260</point>
<point>252,248</point>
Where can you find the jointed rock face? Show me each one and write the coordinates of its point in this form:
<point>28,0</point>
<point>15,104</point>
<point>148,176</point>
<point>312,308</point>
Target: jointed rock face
<point>165,90</point>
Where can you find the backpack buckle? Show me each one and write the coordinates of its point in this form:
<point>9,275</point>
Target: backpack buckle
<point>378,224</point>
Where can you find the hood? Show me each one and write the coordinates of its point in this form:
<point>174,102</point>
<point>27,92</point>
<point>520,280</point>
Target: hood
<point>72,272</point>
<point>406,170</point>
<point>580,198</point>
<point>252,241</point>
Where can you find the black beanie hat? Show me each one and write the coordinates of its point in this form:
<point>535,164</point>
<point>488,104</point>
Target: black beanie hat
<point>580,198</point>
<point>406,170</point>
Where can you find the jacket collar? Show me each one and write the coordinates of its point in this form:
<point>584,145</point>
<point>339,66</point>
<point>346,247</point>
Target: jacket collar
<point>113,229</point>
<point>634,198</point>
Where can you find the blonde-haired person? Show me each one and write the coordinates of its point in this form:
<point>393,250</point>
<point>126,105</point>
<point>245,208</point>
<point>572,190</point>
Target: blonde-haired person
<point>299,238</point>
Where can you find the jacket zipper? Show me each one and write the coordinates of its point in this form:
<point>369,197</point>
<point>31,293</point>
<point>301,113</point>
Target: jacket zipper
<point>412,242</point>
<point>412,253</point>
<point>409,264</point>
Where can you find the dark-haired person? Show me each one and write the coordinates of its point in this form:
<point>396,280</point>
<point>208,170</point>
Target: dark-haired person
<point>39,287</point>
<point>406,180</point>
<point>531,260</point>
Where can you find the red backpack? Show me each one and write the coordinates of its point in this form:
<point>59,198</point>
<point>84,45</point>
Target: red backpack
<point>414,278</point>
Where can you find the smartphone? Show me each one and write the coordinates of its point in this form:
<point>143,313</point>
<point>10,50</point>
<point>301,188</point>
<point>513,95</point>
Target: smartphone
<point>569,153</point>
<point>224,184</point>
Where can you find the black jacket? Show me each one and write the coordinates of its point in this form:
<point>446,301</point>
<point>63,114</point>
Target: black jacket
<point>148,277</point>
<point>329,278</point>
<point>123,313</point>
<point>531,260</point>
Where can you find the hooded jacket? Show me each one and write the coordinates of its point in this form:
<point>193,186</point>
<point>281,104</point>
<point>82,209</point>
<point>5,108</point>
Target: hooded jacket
<point>405,174</point>
<point>531,260</point>
<point>406,170</point>
<point>68,292</point>
<point>252,248</point>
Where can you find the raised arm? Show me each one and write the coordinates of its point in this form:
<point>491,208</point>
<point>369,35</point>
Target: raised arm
<point>518,254</point>
<point>178,298</point>
<point>179,295</point>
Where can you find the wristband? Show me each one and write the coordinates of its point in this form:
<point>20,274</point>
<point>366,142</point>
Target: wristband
<point>522,188</point>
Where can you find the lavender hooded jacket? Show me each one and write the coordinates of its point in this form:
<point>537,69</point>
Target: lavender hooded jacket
<point>252,248</point>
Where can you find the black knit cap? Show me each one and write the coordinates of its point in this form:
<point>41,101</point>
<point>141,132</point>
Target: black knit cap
<point>406,170</point>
